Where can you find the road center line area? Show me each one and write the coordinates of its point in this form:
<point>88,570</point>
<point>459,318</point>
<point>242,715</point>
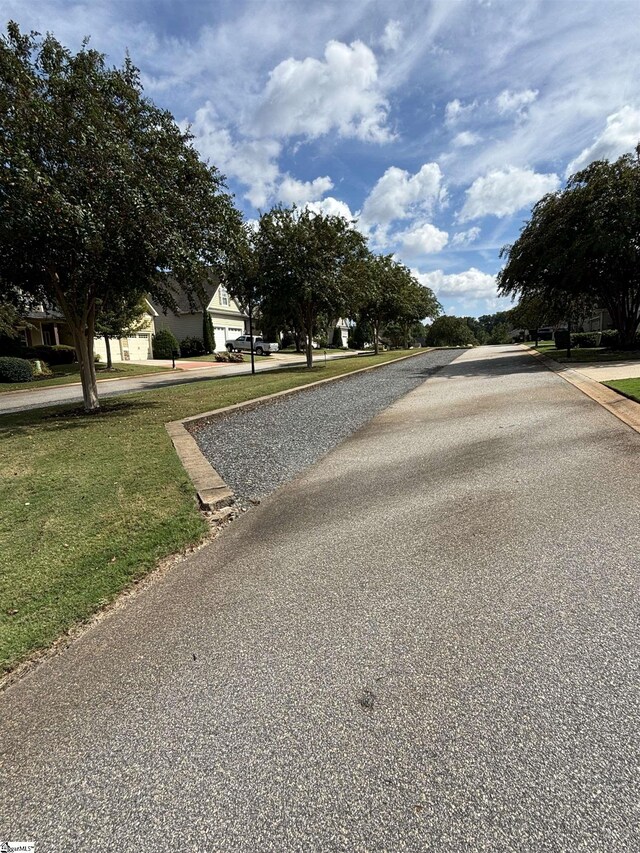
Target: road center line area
<point>427,640</point>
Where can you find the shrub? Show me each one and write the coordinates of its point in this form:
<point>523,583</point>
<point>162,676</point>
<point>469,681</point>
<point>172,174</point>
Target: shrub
<point>609,338</point>
<point>561,338</point>
<point>15,369</point>
<point>586,339</point>
<point>164,344</point>
<point>192,346</point>
<point>41,369</point>
<point>225,356</point>
<point>59,354</point>
<point>208,335</point>
<point>337,338</point>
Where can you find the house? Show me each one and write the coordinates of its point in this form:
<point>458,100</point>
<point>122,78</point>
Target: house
<point>47,327</point>
<point>598,321</point>
<point>186,322</point>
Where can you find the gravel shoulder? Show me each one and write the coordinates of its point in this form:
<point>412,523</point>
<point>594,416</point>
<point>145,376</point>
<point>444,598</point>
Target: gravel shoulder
<point>257,450</point>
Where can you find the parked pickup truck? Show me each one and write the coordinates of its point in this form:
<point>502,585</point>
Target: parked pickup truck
<point>260,346</point>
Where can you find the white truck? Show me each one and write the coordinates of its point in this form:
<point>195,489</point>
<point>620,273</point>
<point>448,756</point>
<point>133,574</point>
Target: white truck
<point>260,346</point>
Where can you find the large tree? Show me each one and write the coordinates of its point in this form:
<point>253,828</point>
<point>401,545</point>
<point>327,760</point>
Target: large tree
<point>307,265</point>
<point>101,193</point>
<point>390,294</point>
<point>581,246</point>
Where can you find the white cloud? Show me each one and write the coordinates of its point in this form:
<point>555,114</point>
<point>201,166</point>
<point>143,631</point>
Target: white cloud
<point>515,102</point>
<point>392,36</point>
<point>252,162</point>
<point>332,207</point>
<point>422,239</point>
<point>455,111</point>
<point>504,191</point>
<point>465,139</point>
<point>399,195</point>
<point>311,97</point>
<point>471,283</point>
<point>465,238</point>
<point>292,191</point>
<point>621,135</point>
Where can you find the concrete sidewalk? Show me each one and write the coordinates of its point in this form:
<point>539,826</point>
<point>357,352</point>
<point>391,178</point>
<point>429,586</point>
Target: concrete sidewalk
<point>426,642</point>
<point>605,370</point>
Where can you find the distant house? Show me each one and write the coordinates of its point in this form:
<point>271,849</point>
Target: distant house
<point>598,321</point>
<point>49,328</point>
<point>186,322</point>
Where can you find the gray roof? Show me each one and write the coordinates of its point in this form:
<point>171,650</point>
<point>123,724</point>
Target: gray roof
<point>182,300</point>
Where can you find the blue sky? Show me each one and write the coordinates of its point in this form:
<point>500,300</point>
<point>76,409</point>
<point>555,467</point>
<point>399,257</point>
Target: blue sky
<point>437,124</point>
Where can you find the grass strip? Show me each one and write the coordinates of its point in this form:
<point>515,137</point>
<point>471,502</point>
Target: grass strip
<point>582,355</point>
<point>627,387</point>
<point>69,373</point>
<point>90,503</point>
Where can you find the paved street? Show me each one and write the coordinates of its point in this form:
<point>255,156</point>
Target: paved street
<point>20,401</point>
<point>428,641</point>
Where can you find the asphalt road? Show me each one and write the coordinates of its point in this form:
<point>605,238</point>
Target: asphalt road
<point>428,641</point>
<point>39,398</point>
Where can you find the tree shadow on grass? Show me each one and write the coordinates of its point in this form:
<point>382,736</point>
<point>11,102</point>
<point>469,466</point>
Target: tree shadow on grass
<point>71,418</point>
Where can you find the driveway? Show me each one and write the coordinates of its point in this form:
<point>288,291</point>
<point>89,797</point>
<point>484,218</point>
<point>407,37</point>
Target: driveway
<point>428,641</point>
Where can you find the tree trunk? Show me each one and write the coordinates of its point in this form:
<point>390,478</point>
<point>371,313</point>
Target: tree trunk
<point>87,371</point>
<point>298,340</point>
<point>309,350</point>
<point>376,344</point>
<point>107,344</point>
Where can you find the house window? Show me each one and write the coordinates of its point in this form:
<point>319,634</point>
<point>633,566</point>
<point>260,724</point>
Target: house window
<point>224,296</point>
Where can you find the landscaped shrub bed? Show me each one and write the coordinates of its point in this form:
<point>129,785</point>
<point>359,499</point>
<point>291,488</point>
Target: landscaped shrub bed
<point>58,354</point>
<point>15,369</point>
<point>190,347</point>
<point>229,356</point>
<point>586,339</point>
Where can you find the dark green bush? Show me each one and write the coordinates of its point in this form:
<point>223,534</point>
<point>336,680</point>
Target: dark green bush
<point>59,354</point>
<point>561,337</point>
<point>609,338</point>
<point>192,346</point>
<point>164,344</point>
<point>586,339</point>
<point>15,369</point>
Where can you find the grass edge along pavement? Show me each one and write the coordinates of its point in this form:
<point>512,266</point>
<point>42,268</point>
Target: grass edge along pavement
<point>629,388</point>
<point>91,503</point>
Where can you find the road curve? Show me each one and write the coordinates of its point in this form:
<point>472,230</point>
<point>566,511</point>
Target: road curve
<point>427,641</point>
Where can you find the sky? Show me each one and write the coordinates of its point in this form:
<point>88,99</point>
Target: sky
<point>436,124</point>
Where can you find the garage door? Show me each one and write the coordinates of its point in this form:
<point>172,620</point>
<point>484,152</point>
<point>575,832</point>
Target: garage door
<point>223,334</point>
<point>139,346</point>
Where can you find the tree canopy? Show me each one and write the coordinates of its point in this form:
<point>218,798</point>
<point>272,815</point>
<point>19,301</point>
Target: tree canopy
<point>101,193</point>
<point>581,247</point>
<point>307,263</point>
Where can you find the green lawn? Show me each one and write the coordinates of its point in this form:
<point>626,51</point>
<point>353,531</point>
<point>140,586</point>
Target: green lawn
<point>628,387</point>
<point>91,502</point>
<point>65,373</point>
<point>580,355</point>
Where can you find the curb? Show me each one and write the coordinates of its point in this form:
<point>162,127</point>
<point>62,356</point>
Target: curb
<point>626,410</point>
<point>212,491</point>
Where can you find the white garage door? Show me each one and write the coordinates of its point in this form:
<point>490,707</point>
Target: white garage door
<point>223,334</point>
<point>139,347</point>
<point>220,338</point>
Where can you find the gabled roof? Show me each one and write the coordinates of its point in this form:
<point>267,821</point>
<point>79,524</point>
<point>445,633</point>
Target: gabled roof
<point>182,300</point>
